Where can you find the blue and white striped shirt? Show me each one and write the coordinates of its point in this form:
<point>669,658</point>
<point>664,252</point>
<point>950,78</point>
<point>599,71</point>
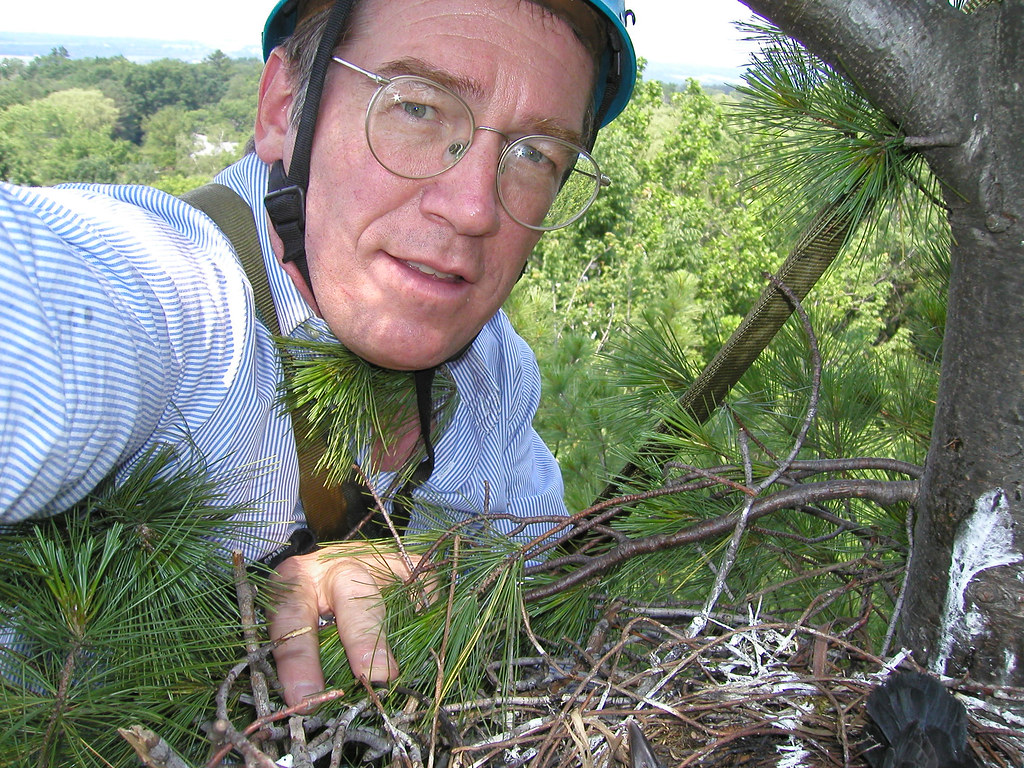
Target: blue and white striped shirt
<point>128,322</point>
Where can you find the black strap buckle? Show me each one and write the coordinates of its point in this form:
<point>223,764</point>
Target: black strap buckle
<point>301,542</point>
<point>286,205</point>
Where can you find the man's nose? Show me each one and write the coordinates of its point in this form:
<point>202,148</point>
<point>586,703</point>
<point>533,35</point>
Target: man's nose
<point>466,194</point>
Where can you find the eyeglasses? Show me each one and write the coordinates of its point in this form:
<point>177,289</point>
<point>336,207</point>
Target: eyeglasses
<point>418,129</point>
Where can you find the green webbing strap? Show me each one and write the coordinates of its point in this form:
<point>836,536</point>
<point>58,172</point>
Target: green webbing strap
<point>331,510</point>
<point>234,218</point>
<point>816,250</point>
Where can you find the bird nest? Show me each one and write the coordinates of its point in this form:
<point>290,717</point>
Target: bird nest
<point>759,695</point>
<point>779,695</point>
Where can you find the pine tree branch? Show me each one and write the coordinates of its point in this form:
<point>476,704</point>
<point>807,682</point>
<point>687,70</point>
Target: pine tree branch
<point>797,497</point>
<point>225,733</point>
<point>404,750</point>
<point>395,537</point>
<point>897,609</point>
<point>247,611</point>
<point>669,612</point>
<point>812,403</point>
<point>699,622</point>
<point>882,492</point>
<point>60,704</point>
<point>818,466</point>
<point>442,655</point>
<point>894,52</point>
<point>300,750</point>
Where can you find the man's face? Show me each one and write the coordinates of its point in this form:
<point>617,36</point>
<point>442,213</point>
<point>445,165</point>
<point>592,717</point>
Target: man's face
<point>406,272</point>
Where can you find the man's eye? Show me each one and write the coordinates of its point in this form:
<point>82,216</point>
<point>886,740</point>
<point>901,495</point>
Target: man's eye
<point>531,153</point>
<point>419,111</point>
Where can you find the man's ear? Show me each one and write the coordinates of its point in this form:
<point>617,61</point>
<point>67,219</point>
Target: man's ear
<point>274,109</point>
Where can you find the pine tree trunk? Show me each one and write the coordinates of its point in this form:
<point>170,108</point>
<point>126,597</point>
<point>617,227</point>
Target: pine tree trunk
<point>964,611</point>
<point>965,591</point>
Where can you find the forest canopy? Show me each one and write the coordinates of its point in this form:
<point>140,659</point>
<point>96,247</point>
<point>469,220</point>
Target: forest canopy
<point>167,123</point>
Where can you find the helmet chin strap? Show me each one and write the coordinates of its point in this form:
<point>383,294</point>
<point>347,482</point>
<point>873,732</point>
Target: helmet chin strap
<point>285,200</point>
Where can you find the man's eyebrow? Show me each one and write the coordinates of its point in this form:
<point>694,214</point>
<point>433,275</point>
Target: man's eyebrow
<point>464,86</point>
<point>470,90</point>
<point>548,127</point>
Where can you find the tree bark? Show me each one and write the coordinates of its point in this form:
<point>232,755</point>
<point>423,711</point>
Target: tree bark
<point>955,83</point>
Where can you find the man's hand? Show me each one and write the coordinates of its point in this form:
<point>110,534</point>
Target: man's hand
<point>343,580</point>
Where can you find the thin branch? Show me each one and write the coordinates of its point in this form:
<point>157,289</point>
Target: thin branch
<point>949,139</point>
<point>396,537</point>
<point>151,749</point>
<point>818,466</point>
<point>239,739</point>
<point>812,404</point>
<point>60,703</point>
<point>300,750</point>
<point>442,656</point>
<point>714,478</point>
<point>404,749</point>
<point>246,596</point>
<point>700,621</point>
<point>882,492</point>
<point>575,291</point>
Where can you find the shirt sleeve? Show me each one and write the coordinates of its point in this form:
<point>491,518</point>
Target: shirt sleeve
<point>127,323</point>
<point>74,402</point>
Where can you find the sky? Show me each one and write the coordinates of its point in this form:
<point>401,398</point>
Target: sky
<point>685,32</point>
<point>690,32</point>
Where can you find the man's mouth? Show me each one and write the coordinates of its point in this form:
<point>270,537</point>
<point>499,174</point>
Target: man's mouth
<point>431,271</point>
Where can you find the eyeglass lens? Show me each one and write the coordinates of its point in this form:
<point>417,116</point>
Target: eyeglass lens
<point>418,129</point>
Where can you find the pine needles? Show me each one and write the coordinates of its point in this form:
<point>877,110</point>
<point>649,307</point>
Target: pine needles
<point>119,611</point>
<point>468,626</point>
<point>354,404</point>
<point>822,142</point>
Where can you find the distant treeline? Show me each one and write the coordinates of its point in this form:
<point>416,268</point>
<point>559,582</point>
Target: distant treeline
<point>166,123</point>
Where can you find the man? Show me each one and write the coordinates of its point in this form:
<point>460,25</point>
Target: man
<point>399,229</point>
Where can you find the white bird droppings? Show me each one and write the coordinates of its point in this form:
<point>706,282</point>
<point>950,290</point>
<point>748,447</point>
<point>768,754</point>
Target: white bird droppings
<point>984,540</point>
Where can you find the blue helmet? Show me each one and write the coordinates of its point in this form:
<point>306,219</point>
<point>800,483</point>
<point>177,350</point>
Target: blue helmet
<point>616,77</point>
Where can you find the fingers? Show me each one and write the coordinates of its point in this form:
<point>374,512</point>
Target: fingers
<point>359,614</point>
<point>348,587</point>
<point>298,658</point>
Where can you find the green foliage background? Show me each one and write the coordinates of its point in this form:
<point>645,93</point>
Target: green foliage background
<point>168,123</point>
<point>622,310</point>
<point>711,190</point>
<point>671,257</point>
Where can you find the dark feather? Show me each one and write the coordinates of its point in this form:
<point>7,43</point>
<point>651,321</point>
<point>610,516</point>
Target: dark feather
<point>919,724</point>
<point>641,754</point>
